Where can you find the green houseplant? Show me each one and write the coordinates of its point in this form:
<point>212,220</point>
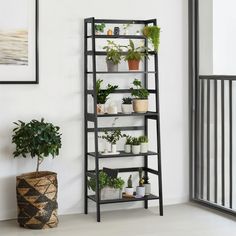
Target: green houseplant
<point>99,28</point>
<point>129,190</point>
<point>103,95</point>
<point>153,34</point>
<point>37,139</point>
<point>126,106</point>
<point>144,144</point>
<point>135,55</point>
<point>110,188</point>
<point>113,57</point>
<point>128,143</point>
<point>140,94</point>
<point>140,190</point>
<point>135,146</point>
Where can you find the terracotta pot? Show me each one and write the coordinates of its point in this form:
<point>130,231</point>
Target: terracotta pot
<point>37,200</point>
<point>133,64</point>
<point>140,105</point>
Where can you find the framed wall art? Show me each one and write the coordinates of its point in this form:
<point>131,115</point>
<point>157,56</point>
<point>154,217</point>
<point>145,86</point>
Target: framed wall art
<point>19,42</point>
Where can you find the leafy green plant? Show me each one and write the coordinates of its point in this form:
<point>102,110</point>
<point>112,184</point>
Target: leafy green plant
<point>143,139</point>
<point>127,100</point>
<point>113,52</point>
<point>153,34</point>
<point>139,91</point>
<point>105,181</point>
<point>141,180</point>
<point>129,182</point>
<point>112,137</point>
<point>102,94</point>
<point>135,53</point>
<point>37,139</point>
<point>100,27</point>
<point>135,141</point>
<point>128,139</point>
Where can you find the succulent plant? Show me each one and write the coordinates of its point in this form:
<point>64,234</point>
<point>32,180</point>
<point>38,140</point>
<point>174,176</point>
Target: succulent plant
<point>129,182</point>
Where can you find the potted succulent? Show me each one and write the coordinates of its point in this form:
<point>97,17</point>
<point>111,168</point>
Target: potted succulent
<point>110,188</point>
<point>102,95</point>
<point>37,191</point>
<point>140,94</point>
<point>135,146</point>
<point>112,137</point>
<point>144,144</point>
<point>135,55</point>
<point>153,34</point>
<point>129,190</point>
<point>128,143</point>
<point>126,106</point>
<point>140,190</point>
<point>113,57</point>
<point>99,28</point>
<point>147,185</point>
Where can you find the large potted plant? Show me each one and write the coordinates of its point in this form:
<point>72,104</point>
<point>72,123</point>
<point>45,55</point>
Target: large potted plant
<point>153,34</point>
<point>37,191</point>
<point>140,94</point>
<point>102,95</point>
<point>113,57</point>
<point>110,188</point>
<point>135,55</point>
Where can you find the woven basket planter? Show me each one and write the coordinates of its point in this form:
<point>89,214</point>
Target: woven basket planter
<point>37,200</point>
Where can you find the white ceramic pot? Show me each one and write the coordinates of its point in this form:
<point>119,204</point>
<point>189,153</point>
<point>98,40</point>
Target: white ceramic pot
<point>100,108</point>
<point>147,189</point>
<point>110,193</point>
<point>112,109</point>
<point>127,148</point>
<point>144,148</point>
<point>113,148</point>
<point>140,105</point>
<point>127,108</point>
<point>135,149</point>
<point>140,191</point>
<point>129,191</point>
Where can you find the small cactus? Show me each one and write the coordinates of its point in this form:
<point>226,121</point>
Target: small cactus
<point>129,182</point>
<point>141,180</point>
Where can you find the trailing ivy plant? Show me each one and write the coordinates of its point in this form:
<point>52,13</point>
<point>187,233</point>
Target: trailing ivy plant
<point>37,138</point>
<point>139,92</point>
<point>153,34</point>
<point>113,52</point>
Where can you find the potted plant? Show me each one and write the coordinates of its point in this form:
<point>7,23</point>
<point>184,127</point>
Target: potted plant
<point>112,137</point>
<point>147,185</point>
<point>99,28</point>
<point>37,191</point>
<point>110,188</point>
<point>144,144</point>
<point>140,190</point>
<point>126,106</point>
<point>135,55</point>
<point>128,143</point>
<point>102,95</point>
<point>113,57</point>
<point>153,34</point>
<point>135,146</point>
<point>140,102</point>
<point>129,190</point>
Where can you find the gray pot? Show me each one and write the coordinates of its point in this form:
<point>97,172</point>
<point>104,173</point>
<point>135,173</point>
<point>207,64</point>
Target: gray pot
<point>108,193</point>
<point>111,67</point>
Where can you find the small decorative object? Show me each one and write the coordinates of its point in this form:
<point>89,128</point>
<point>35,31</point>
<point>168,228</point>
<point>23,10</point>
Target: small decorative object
<point>126,106</point>
<point>110,188</point>
<point>147,185</point>
<point>112,108</point>
<point>135,146</point>
<point>140,102</point>
<point>125,28</point>
<point>113,57</point>
<point>144,144</point>
<point>140,190</point>
<point>129,190</point>
<point>137,32</point>
<point>116,30</point>
<point>109,32</point>
<point>99,28</point>
<point>102,95</point>
<point>135,55</point>
<point>112,137</point>
<point>153,34</point>
<point>128,143</point>
<point>37,191</point>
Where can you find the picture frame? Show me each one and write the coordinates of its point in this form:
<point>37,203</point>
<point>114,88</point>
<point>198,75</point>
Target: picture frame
<point>19,42</point>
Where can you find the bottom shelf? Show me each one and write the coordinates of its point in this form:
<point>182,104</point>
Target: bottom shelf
<point>149,197</point>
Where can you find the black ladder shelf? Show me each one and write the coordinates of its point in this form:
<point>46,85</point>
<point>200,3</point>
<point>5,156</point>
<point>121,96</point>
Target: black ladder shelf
<point>93,117</point>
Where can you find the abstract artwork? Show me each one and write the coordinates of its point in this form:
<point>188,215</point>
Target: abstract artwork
<point>18,41</point>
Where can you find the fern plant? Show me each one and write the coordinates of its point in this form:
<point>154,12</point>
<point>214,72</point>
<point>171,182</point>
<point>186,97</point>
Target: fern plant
<point>153,34</point>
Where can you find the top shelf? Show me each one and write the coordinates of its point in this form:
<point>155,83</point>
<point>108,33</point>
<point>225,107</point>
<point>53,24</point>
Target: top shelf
<point>103,36</point>
<point>119,21</point>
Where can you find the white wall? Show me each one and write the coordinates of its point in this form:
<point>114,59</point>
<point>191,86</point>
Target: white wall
<point>59,98</point>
